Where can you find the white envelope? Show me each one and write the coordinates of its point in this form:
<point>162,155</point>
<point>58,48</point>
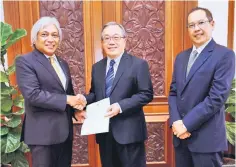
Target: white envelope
<point>95,121</point>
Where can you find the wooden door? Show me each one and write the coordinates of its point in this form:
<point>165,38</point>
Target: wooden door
<point>156,33</point>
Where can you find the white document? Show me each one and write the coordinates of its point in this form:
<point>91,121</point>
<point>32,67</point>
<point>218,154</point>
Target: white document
<point>96,122</point>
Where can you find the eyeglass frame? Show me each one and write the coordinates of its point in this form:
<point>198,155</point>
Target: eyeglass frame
<point>200,24</point>
<point>112,38</point>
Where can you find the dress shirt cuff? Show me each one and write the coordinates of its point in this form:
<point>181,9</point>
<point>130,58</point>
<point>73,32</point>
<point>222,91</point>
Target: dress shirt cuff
<point>120,108</point>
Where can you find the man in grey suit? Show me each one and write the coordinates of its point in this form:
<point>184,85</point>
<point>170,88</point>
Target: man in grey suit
<point>200,86</point>
<point>45,82</point>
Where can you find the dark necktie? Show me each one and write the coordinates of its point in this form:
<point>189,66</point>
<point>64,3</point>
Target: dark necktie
<point>109,78</point>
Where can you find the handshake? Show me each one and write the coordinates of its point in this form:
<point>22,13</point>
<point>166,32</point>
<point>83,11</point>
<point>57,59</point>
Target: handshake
<point>78,102</point>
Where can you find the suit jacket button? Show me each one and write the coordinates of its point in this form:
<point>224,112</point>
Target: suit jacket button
<point>183,114</point>
<point>182,98</point>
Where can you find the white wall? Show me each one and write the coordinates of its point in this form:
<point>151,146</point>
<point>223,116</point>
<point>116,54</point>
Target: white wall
<point>1,11</point>
<point>219,9</point>
<point>2,19</point>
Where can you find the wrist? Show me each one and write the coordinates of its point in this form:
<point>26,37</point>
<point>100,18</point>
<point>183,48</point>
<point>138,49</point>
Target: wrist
<point>67,99</point>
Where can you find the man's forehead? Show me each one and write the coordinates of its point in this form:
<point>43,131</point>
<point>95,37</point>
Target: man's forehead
<point>196,16</point>
<point>114,29</point>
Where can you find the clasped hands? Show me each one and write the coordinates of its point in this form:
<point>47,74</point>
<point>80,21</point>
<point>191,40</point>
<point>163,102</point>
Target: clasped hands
<point>79,102</point>
<point>180,130</point>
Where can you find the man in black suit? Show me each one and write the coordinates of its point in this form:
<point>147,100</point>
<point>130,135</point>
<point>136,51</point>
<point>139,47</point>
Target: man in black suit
<point>126,80</point>
<point>45,82</point>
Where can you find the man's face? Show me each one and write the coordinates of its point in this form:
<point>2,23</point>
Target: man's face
<point>199,27</point>
<point>47,40</point>
<point>113,42</point>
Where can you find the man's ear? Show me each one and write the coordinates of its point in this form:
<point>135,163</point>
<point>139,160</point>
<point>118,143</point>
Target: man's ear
<point>212,24</point>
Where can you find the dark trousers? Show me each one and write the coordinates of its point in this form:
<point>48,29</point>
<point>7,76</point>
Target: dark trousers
<point>57,155</point>
<point>185,158</point>
<point>114,154</point>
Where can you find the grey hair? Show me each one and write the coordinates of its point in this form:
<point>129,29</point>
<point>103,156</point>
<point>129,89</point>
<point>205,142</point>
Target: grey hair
<point>42,22</point>
<point>112,23</point>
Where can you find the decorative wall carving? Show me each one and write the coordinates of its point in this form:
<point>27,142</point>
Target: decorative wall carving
<point>80,147</point>
<point>144,22</point>
<point>155,145</point>
<point>70,16</point>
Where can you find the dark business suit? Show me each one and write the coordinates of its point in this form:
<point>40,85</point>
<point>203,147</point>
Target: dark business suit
<point>199,100</point>
<point>48,119</point>
<point>132,89</point>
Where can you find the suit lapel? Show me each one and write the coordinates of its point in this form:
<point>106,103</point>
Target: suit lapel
<point>45,62</point>
<point>121,68</point>
<point>183,69</point>
<point>102,73</point>
<point>65,70</point>
<point>204,55</point>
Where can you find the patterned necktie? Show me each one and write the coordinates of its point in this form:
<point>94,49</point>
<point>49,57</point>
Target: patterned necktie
<point>109,78</point>
<point>191,60</point>
<point>52,60</point>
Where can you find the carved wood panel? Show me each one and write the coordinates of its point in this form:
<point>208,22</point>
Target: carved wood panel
<point>80,147</point>
<point>70,17</point>
<point>144,22</point>
<point>155,145</point>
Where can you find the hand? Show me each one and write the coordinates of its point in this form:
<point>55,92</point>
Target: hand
<point>82,102</point>
<point>185,135</point>
<point>80,116</point>
<point>72,100</point>
<point>113,110</point>
<point>178,128</point>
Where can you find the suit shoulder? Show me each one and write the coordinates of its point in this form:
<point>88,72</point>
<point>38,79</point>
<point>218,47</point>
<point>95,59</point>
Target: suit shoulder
<point>136,59</point>
<point>222,48</point>
<point>99,63</point>
<point>181,54</point>
<point>27,56</point>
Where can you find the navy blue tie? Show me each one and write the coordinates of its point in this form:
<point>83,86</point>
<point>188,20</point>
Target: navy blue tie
<point>109,78</point>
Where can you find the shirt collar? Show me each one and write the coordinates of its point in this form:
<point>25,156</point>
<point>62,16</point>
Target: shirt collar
<point>200,49</point>
<point>117,59</point>
<point>54,56</point>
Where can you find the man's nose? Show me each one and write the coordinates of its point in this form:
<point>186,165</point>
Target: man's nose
<point>196,27</point>
<point>50,38</point>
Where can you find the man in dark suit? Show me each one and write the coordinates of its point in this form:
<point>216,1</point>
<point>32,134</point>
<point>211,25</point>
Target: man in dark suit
<point>201,84</point>
<point>125,79</point>
<point>45,82</point>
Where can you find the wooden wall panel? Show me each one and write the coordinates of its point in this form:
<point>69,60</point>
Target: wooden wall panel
<point>231,12</point>
<point>144,22</point>
<point>159,151</point>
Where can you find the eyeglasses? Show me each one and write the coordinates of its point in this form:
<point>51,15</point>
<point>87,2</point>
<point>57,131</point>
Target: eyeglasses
<point>200,24</point>
<point>115,38</point>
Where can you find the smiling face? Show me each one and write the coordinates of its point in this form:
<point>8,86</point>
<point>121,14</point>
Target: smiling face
<point>113,42</point>
<point>47,40</point>
<point>201,32</point>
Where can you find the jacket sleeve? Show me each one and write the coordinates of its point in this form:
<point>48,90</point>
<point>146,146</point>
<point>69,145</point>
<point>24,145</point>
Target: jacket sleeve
<point>30,88</point>
<point>90,97</point>
<point>174,113</point>
<point>218,94</point>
